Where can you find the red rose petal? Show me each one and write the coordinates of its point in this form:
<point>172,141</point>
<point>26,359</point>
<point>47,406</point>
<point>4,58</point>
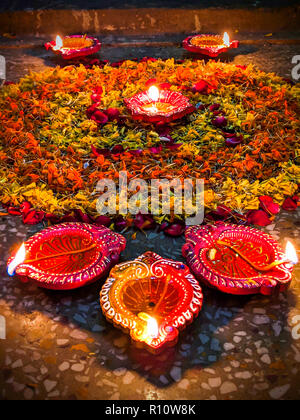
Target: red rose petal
<point>14,211</point>
<point>219,122</point>
<point>289,204</point>
<point>268,204</point>
<point>175,229</point>
<point>144,221</point>
<point>33,217</point>
<point>25,207</point>
<point>112,113</point>
<point>258,218</point>
<point>99,117</point>
<point>200,87</point>
<point>102,220</point>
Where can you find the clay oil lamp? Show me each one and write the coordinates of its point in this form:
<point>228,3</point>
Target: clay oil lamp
<point>67,256</point>
<point>210,45</point>
<point>239,260</point>
<point>158,105</point>
<point>151,298</point>
<point>74,46</point>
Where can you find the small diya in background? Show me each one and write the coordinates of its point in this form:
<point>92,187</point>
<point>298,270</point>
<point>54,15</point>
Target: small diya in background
<point>211,45</point>
<point>238,259</point>
<point>67,256</point>
<point>74,46</point>
<point>158,105</point>
<point>151,298</point>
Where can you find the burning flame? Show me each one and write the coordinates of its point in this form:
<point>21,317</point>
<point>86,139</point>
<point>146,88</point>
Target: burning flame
<point>291,253</point>
<point>59,43</point>
<point>153,93</point>
<point>226,39</point>
<point>19,258</point>
<point>152,326</point>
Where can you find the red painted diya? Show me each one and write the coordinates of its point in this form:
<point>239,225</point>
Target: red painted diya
<point>237,259</point>
<point>74,46</point>
<point>158,105</point>
<point>152,298</point>
<point>67,256</point>
<point>211,45</point>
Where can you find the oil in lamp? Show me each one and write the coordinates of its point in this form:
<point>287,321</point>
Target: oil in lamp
<point>158,105</point>
<point>74,46</point>
<point>211,45</point>
<point>67,256</point>
<point>239,260</point>
<point>151,298</point>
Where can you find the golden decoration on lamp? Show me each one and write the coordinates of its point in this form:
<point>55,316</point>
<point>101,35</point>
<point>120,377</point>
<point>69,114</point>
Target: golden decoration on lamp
<point>151,298</point>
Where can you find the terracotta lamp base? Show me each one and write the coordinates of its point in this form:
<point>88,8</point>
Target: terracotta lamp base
<point>210,45</point>
<point>169,106</point>
<point>237,259</point>
<point>151,298</point>
<point>68,256</point>
<point>75,46</point>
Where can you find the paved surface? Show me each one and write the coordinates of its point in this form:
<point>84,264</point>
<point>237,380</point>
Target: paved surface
<point>59,346</point>
<point>269,53</point>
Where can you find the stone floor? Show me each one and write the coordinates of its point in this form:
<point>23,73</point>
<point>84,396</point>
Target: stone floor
<point>58,345</point>
<point>271,53</point>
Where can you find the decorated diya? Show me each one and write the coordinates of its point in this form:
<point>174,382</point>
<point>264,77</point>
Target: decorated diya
<point>151,298</point>
<point>211,45</point>
<point>239,260</point>
<point>67,256</point>
<point>74,46</point>
<point>158,105</point>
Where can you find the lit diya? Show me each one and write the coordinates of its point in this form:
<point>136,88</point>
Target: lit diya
<point>239,260</point>
<point>67,256</point>
<point>74,46</point>
<point>211,45</point>
<point>158,105</point>
<point>151,298</point>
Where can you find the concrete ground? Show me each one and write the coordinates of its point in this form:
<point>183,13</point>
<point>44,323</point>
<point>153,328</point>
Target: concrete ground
<point>58,345</point>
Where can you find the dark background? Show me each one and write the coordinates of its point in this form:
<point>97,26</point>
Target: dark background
<point>105,4</point>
